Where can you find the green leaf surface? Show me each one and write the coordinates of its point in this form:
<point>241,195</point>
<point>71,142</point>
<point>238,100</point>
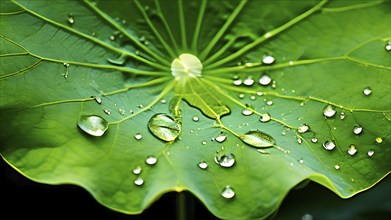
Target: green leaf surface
<point>64,62</point>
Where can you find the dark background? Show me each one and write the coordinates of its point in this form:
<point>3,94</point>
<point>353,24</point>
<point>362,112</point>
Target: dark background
<point>22,198</point>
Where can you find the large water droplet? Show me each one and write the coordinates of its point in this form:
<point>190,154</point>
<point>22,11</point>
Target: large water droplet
<point>304,128</point>
<point>329,111</point>
<point>137,170</point>
<point>221,138</point>
<point>329,145</point>
<point>224,160</point>
<point>228,192</point>
<point>265,80</point>
<point>151,160</point>
<point>248,81</point>
<point>93,125</point>
<point>352,150</point>
<point>139,181</point>
<point>257,138</point>
<point>357,129</point>
<point>203,165</point>
<point>138,136</point>
<point>164,127</point>
<point>265,117</point>
<point>371,153</point>
<point>267,59</point>
<point>247,112</point>
<point>367,91</point>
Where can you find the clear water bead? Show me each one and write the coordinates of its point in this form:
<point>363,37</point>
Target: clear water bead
<point>237,82</point>
<point>337,167</point>
<point>342,115</point>
<point>352,150</point>
<point>225,160</point>
<point>265,80</point>
<point>314,140</point>
<point>138,136</point>
<point>71,19</point>
<point>265,117</point>
<point>139,181</point>
<point>249,81</point>
<point>301,161</point>
<point>267,59</point>
<point>151,160</point>
<point>299,140</point>
<point>195,118</point>
<point>137,170</point>
<point>329,145</point>
<point>371,153</point>
<point>367,91</point>
<point>329,111</point>
<point>247,112</point>
<point>221,138</point>
<point>228,192</point>
<point>388,46</point>
<point>270,102</point>
<point>304,128</point>
<point>203,165</point>
<point>106,111</point>
<point>357,129</point>
<point>93,125</point>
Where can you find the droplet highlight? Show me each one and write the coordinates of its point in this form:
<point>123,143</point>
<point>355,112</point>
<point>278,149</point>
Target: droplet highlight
<point>379,140</point>
<point>267,59</point>
<point>151,160</point>
<point>139,181</point>
<point>247,112</point>
<point>221,138</point>
<point>329,111</point>
<point>228,192</point>
<point>225,160</point>
<point>203,165</point>
<point>257,138</point>
<point>357,129</point>
<point>137,170</point>
<point>329,145</point>
<point>195,118</point>
<point>367,91</point>
<point>138,136</point>
<point>93,125</point>
<point>164,127</point>
<point>352,150</point>
<point>265,80</point>
<point>265,117</point>
<point>304,128</point>
<point>249,81</point>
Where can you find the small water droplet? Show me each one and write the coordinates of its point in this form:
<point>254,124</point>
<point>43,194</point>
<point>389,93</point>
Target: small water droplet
<point>247,112</point>
<point>237,82</point>
<point>304,128</point>
<point>270,102</point>
<point>379,140</point>
<point>337,167</point>
<point>367,91</point>
<point>265,117</point>
<point>138,136</point>
<point>195,118</point>
<point>267,59</point>
<point>228,192</point>
<point>259,93</point>
<point>241,96</point>
<point>112,37</point>
<point>314,140</point>
<point>203,142</point>
<point>121,111</point>
<point>139,106</point>
<point>164,127</point>
<point>107,112</point>
<point>97,99</point>
<point>265,80</point>
<point>252,97</point>
<point>221,138</point>
<point>93,125</point>
<point>224,160</point>
<point>163,101</point>
<point>342,115</point>
<point>151,160</point>
<point>139,181</point>
<point>357,129</point>
<point>66,64</point>
<point>371,153</point>
<point>203,165</point>
<point>71,19</point>
<point>352,150</point>
<point>249,81</point>
<point>257,138</point>
<point>329,145</point>
<point>301,161</point>
<point>137,170</point>
<point>388,46</point>
<point>329,111</point>
<point>299,140</point>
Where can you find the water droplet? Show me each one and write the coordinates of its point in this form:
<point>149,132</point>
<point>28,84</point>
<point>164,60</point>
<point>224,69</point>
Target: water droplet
<point>249,81</point>
<point>329,111</point>
<point>367,91</point>
<point>224,160</point>
<point>112,37</point>
<point>237,82</point>
<point>259,93</point>
<point>357,129</point>
<point>137,170</point>
<point>307,217</point>
<point>329,145</point>
<point>252,97</point>
<point>388,46</point>
<point>269,102</point>
<point>379,140</point>
<point>228,192</point>
<point>93,125</point>
<point>107,112</point>
<point>139,106</point>
<point>139,181</point>
<point>257,138</point>
<point>301,161</point>
<point>138,136</point>
<point>342,115</point>
<point>265,117</point>
<point>71,19</point>
<point>371,153</point>
<point>163,101</point>
<point>241,96</point>
<point>203,165</point>
<point>98,99</point>
<point>195,118</point>
<point>121,111</point>
<point>66,64</point>
<point>164,127</point>
<point>337,167</point>
<point>265,80</point>
<point>352,150</point>
<point>151,160</point>
<point>314,140</point>
<point>247,112</point>
<point>221,138</point>
<point>267,59</point>
<point>304,128</point>
<point>299,140</point>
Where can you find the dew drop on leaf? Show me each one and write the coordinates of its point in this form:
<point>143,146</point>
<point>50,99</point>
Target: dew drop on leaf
<point>329,111</point>
<point>352,150</point>
<point>241,96</point>
<point>164,127</point>
<point>224,160</point>
<point>195,118</point>
<point>247,112</point>
<point>237,82</point>
<point>267,59</point>
<point>163,101</point>
<point>112,37</point>
<point>249,81</point>
<point>137,170</point>
<point>71,19</point>
<point>299,140</point>
<point>97,99</point>
<point>314,140</point>
<point>304,128</point>
<point>252,97</point>
<point>138,136</point>
<point>93,125</point>
<point>270,102</point>
<point>265,80</point>
<point>66,65</point>
<point>388,46</point>
<point>265,117</point>
<point>151,160</point>
<point>107,112</point>
<point>221,138</point>
<point>342,115</point>
<point>139,181</point>
<point>367,91</point>
<point>337,167</point>
<point>203,165</point>
<point>257,138</point>
<point>357,129</point>
<point>379,140</point>
<point>329,145</point>
<point>228,192</point>
<point>371,153</point>
<point>301,161</point>
<point>203,142</point>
